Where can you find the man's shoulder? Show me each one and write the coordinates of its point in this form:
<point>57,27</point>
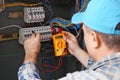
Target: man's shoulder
<point>110,71</point>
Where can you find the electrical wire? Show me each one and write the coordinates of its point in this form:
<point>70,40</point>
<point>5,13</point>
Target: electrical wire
<point>10,26</point>
<point>80,5</point>
<point>4,37</point>
<point>79,33</point>
<point>47,4</point>
<point>58,21</point>
<point>3,7</point>
<point>77,6</point>
<point>43,57</point>
<point>74,27</point>
<point>53,68</point>
<point>65,29</point>
<point>18,4</point>
<point>64,24</point>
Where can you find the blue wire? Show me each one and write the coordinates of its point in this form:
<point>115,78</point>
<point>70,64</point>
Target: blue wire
<point>82,2</point>
<point>47,4</point>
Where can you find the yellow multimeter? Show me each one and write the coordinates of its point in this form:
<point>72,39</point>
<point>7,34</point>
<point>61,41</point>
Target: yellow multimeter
<point>59,44</point>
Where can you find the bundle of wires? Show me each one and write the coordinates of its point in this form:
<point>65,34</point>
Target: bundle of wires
<point>47,4</point>
<point>64,24</point>
<point>58,21</point>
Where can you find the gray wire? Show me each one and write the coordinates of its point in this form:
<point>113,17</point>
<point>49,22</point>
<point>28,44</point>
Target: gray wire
<point>65,29</point>
<point>75,30</point>
<point>10,26</point>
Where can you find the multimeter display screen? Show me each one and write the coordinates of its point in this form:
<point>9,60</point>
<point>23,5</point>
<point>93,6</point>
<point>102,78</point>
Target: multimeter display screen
<point>58,37</point>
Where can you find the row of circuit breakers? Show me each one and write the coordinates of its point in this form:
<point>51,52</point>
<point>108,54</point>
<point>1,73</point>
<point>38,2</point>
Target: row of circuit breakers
<point>31,15</point>
<point>34,14</point>
<point>46,32</point>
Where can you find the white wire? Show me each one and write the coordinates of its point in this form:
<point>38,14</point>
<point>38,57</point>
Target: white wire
<point>10,26</point>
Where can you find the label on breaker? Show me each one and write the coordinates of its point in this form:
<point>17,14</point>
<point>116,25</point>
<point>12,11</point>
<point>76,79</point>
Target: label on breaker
<point>45,32</point>
<point>34,14</point>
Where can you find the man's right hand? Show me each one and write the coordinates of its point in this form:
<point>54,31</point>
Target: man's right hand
<point>32,48</point>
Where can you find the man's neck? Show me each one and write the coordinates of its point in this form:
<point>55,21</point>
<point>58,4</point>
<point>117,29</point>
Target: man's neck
<point>102,53</point>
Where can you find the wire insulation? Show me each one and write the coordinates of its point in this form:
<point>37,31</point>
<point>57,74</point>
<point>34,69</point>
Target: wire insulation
<point>10,26</point>
<point>18,4</point>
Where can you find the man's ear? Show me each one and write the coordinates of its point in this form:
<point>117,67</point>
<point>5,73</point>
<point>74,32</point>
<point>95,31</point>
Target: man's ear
<point>95,39</point>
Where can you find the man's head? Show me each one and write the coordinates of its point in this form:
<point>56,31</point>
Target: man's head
<point>100,44</point>
<point>101,25</point>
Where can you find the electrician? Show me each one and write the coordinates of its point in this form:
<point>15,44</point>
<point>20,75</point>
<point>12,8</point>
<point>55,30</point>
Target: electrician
<point>101,27</point>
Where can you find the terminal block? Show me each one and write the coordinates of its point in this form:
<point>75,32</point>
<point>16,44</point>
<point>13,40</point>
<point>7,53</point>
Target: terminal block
<point>34,14</point>
<point>45,31</point>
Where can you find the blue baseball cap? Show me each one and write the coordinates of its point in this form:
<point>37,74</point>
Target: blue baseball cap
<point>101,15</point>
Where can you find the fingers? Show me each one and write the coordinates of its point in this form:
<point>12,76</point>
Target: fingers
<point>38,36</point>
<point>68,34</point>
<point>33,35</point>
